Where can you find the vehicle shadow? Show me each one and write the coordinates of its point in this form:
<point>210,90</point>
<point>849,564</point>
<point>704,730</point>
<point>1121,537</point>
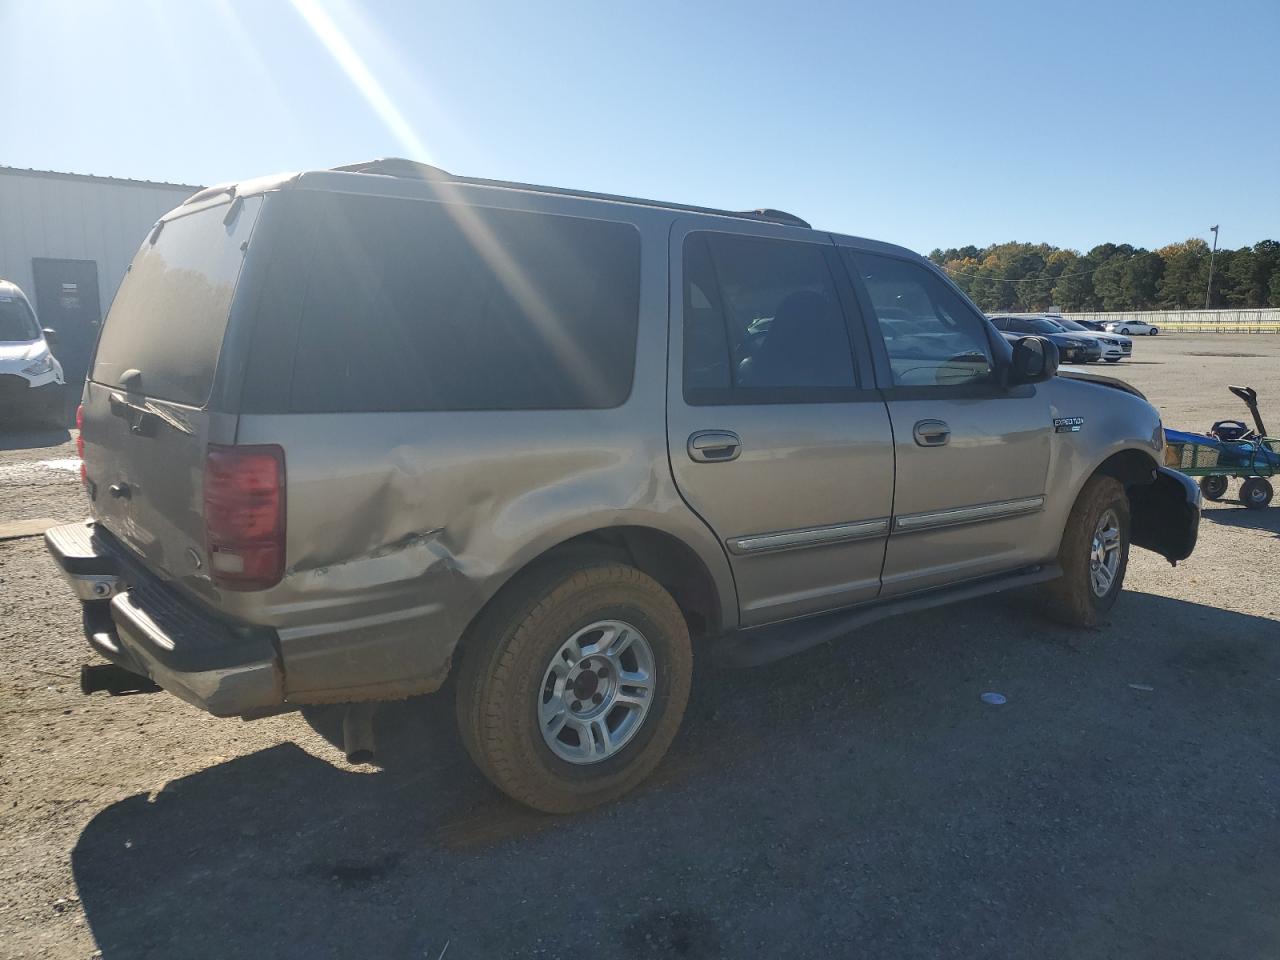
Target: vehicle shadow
<point>1122,802</point>
<point>30,438</point>
<point>1246,519</point>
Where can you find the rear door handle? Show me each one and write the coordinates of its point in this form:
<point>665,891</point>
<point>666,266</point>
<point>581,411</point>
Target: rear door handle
<point>931,433</point>
<point>714,446</point>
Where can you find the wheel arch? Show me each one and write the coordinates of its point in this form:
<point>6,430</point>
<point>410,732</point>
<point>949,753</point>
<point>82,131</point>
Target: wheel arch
<point>1164,505</point>
<point>668,559</point>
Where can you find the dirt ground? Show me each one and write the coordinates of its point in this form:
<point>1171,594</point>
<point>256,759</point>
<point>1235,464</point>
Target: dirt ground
<point>856,800</point>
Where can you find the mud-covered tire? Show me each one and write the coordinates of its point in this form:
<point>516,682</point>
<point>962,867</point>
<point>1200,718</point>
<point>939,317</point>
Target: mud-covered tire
<point>500,682</point>
<point>1072,598</point>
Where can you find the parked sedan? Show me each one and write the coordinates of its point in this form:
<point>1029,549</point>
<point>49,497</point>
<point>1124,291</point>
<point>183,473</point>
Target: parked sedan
<point>1115,347</point>
<point>1072,348</point>
<point>1134,327</point>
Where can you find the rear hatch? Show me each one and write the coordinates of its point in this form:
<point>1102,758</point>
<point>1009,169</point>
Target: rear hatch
<point>147,420</point>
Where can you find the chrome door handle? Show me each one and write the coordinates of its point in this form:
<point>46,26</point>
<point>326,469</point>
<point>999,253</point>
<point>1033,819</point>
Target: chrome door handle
<point>714,446</point>
<point>931,433</point>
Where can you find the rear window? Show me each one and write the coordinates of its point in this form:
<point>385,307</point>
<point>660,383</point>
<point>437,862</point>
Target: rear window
<point>168,319</point>
<point>16,322</point>
<point>413,305</point>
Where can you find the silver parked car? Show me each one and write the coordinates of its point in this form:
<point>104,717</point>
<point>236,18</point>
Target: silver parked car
<point>350,431</point>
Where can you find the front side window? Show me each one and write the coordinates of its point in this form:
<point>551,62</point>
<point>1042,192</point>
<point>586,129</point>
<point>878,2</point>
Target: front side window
<point>762,322</point>
<point>932,336</point>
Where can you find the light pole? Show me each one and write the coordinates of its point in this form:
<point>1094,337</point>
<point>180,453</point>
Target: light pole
<point>1209,290</point>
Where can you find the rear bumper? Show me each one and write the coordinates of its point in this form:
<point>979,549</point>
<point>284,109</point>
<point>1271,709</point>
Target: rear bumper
<point>144,625</point>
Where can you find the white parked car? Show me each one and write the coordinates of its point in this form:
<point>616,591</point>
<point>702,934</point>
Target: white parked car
<point>1132,327</point>
<point>31,382</point>
<point>1115,346</point>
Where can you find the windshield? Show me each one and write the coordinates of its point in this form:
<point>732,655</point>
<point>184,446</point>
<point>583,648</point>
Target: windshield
<point>1072,325</point>
<point>1040,325</point>
<point>16,322</point>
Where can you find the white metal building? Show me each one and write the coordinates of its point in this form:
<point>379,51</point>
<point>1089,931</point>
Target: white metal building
<point>66,239</point>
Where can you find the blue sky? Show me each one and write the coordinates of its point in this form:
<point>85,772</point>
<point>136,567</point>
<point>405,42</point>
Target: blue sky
<point>924,124</point>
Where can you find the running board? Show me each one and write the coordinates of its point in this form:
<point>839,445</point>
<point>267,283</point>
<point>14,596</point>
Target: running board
<point>759,645</point>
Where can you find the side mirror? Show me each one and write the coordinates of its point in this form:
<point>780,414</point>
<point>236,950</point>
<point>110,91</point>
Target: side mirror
<point>50,336</point>
<point>1035,359</point>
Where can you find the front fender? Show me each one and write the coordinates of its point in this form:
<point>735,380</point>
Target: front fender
<point>1166,514</point>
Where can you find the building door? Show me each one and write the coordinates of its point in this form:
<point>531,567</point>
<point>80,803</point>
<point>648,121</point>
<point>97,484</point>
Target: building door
<point>67,302</point>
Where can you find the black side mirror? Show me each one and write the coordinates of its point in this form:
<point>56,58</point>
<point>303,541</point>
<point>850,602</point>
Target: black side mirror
<point>1035,359</point>
<point>50,336</point>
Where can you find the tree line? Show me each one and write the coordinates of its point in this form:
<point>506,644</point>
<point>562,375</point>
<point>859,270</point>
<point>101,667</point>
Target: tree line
<point>1114,276</point>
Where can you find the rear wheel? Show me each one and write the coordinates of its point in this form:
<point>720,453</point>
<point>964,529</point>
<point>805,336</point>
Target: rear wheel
<point>1094,555</point>
<point>1256,493</point>
<point>1154,331</point>
<point>1213,488</point>
<point>574,685</point>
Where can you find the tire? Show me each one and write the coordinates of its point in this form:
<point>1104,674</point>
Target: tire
<point>1213,488</point>
<point>1072,598</point>
<point>1256,492</point>
<point>1124,331</point>
<point>1153,331</point>
<point>511,654</point>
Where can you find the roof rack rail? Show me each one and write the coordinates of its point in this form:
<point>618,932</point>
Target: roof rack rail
<point>414,170</point>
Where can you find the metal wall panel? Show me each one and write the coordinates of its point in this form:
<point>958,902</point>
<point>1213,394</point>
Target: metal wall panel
<point>63,216</point>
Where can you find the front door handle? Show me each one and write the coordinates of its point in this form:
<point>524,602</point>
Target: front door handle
<point>931,433</point>
<point>714,446</point>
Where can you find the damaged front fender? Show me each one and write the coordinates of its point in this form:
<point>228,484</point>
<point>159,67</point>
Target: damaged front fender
<point>1165,514</point>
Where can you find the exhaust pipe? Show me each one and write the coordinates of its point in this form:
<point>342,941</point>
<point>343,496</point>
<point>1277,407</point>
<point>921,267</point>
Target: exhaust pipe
<point>117,681</point>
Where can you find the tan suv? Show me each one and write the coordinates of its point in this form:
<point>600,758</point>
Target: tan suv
<point>347,431</point>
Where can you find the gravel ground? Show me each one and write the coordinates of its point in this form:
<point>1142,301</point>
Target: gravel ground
<point>859,799</point>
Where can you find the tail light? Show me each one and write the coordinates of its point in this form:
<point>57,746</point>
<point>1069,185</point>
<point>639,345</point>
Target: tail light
<point>84,474</point>
<point>244,515</point>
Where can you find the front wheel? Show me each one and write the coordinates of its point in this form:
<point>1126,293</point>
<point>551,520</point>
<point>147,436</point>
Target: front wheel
<point>573,685</point>
<point>1094,555</point>
<point>1124,331</point>
<point>1213,488</point>
<point>1154,331</point>
<point>1256,493</point>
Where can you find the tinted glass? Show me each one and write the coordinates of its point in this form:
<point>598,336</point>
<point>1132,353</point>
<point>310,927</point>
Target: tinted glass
<point>932,336</point>
<point>168,319</point>
<point>16,322</point>
<point>761,316</point>
<point>424,306</point>
<point>1040,325</point>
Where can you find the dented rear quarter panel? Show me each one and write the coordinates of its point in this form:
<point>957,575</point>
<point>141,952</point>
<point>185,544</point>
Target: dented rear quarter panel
<point>401,526</point>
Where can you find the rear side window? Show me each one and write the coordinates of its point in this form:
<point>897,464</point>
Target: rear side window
<point>169,316</point>
<point>933,338</point>
<point>762,323</point>
<point>413,305</point>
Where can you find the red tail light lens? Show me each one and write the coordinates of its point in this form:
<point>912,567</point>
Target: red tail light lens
<point>244,513</point>
<point>84,474</point>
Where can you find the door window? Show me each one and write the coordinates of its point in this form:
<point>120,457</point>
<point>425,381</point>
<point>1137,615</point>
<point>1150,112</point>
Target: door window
<point>762,323</point>
<point>932,336</point>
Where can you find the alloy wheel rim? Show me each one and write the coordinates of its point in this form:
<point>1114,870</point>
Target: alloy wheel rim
<point>1104,554</point>
<point>596,692</point>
